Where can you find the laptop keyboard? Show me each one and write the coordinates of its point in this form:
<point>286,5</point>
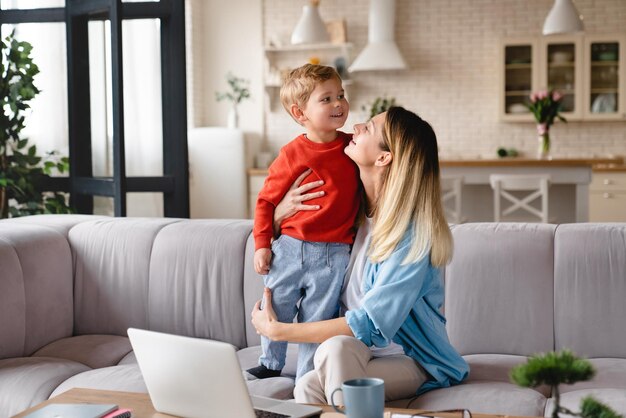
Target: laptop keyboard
<point>267,414</point>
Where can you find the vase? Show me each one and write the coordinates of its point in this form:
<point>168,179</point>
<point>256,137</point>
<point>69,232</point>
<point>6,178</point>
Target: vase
<point>543,145</point>
<point>233,118</point>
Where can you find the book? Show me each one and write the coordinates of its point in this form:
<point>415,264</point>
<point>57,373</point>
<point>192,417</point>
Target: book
<point>73,410</point>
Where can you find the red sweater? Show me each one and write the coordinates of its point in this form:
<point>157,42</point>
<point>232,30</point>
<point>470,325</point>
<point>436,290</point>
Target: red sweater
<point>334,221</point>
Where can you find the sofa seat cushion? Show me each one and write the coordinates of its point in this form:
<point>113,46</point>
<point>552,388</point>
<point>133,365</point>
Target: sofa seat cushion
<point>610,373</point>
<point>615,398</point>
<point>481,397</point>
<point>496,368</point>
<point>125,378</point>
<point>95,351</point>
<point>249,357</point>
<point>27,381</point>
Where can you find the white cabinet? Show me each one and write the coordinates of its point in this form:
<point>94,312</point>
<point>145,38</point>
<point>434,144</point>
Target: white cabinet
<point>588,69</point>
<point>608,196</point>
<point>281,60</point>
<point>256,178</point>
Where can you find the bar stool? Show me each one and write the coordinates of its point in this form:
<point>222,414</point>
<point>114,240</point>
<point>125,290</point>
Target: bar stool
<point>535,186</point>
<point>451,194</point>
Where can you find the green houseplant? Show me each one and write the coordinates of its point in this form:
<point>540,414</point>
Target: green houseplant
<point>21,169</point>
<point>555,368</point>
<point>238,91</point>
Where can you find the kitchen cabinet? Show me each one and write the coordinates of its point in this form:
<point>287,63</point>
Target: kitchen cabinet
<point>280,60</point>
<point>588,70</point>
<point>256,178</point>
<point>607,197</point>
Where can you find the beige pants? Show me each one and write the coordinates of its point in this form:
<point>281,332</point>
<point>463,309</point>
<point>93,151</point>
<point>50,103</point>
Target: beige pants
<point>342,358</point>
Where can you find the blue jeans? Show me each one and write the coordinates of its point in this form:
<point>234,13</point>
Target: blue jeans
<point>309,272</point>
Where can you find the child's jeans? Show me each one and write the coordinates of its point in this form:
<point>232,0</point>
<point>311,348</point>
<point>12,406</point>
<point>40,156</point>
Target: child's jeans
<point>313,272</point>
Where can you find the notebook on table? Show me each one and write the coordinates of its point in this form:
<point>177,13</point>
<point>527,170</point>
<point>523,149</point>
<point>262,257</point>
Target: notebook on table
<point>74,410</point>
<point>200,378</point>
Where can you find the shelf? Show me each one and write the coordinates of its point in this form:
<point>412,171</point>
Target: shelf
<point>519,66</point>
<point>518,92</point>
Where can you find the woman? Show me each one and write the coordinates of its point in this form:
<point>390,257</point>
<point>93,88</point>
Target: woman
<point>394,293</point>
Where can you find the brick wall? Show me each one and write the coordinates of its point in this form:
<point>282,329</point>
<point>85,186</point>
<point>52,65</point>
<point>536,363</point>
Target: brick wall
<point>451,47</point>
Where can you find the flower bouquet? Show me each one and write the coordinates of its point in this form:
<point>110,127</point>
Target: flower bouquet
<point>546,106</point>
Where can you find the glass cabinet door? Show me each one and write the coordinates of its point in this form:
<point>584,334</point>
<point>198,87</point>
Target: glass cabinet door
<point>603,98</point>
<point>562,63</point>
<point>519,80</point>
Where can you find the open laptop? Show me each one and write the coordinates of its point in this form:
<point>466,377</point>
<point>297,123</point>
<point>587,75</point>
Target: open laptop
<point>200,378</point>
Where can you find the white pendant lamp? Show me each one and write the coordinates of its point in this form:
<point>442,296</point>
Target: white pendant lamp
<point>563,18</point>
<point>310,29</point>
<point>381,52</point>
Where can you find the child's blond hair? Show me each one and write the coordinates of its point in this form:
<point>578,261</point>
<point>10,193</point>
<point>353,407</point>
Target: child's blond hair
<point>300,83</point>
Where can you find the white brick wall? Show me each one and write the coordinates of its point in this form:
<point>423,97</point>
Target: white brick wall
<point>451,47</point>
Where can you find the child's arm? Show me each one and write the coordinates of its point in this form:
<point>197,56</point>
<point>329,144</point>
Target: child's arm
<point>262,259</point>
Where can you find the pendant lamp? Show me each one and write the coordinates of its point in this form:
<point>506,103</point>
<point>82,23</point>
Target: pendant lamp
<point>310,29</point>
<point>563,18</point>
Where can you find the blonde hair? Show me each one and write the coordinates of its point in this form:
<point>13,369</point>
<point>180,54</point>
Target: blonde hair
<point>410,195</point>
<point>300,83</point>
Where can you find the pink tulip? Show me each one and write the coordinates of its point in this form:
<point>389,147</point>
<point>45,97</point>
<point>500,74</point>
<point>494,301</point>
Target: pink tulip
<point>542,128</point>
<point>556,96</point>
<point>533,97</point>
<point>543,94</point>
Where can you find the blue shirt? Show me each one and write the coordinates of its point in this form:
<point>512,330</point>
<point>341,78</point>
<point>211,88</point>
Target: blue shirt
<point>402,303</point>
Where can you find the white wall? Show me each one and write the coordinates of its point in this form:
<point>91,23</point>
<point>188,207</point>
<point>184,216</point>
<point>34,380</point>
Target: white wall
<point>227,36</point>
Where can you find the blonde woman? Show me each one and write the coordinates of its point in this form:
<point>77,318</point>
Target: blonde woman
<point>392,326</point>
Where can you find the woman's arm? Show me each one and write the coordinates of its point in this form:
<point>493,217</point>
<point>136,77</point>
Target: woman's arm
<point>266,324</point>
<point>293,200</point>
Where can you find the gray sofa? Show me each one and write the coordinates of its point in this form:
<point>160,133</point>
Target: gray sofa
<point>70,286</point>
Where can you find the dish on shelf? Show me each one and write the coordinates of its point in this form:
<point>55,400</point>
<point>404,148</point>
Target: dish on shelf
<point>561,57</point>
<point>516,108</point>
<point>604,103</point>
<point>607,56</point>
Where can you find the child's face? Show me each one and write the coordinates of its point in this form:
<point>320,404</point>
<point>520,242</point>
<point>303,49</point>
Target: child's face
<point>327,108</point>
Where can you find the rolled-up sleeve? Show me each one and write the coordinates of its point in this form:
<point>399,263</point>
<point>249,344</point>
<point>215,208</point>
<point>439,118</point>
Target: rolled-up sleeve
<point>391,291</point>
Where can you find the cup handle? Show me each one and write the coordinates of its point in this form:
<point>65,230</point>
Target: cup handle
<point>332,401</point>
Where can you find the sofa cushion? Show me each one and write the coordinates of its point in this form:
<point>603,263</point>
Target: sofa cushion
<point>481,397</point>
<point>590,285</point>
<point>41,304</point>
<point>126,378</point>
<point>112,260</point>
<point>496,368</point>
<point>92,350</point>
<point>610,373</point>
<point>27,381</point>
<point>196,280</point>
<point>60,223</point>
<point>499,288</point>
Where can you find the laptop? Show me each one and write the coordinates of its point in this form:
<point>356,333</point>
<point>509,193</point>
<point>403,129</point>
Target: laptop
<point>200,378</point>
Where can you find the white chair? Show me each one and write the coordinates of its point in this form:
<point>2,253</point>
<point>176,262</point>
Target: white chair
<point>536,186</point>
<point>451,194</point>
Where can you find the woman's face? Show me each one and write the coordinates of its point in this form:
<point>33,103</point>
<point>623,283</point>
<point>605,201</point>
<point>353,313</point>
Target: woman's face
<point>364,149</point>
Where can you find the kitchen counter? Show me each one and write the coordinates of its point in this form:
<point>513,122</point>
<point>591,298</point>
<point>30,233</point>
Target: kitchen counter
<point>618,168</point>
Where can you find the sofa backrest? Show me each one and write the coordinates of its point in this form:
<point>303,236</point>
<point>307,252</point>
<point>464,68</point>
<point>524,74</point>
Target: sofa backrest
<point>499,288</point>
<point>590,289</point>
<point>35,288</point>
<point>170,275</point>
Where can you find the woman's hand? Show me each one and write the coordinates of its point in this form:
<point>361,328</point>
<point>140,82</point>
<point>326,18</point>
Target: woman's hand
<point>293,200</point>
<point>263,319</point>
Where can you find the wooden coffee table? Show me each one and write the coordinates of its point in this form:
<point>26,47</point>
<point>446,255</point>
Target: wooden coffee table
<point>142,406</point>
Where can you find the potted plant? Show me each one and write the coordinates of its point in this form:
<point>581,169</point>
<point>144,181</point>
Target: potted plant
<point>236,94</point>
<point>555,368</point>
<point>21,169</point>
<point>379,105</point>
<point>546,106</point>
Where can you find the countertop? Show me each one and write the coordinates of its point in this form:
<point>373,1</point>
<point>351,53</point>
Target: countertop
<point>598,163</point>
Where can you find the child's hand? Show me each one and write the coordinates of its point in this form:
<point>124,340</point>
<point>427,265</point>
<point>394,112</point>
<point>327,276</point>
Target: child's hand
<point>262,258</point>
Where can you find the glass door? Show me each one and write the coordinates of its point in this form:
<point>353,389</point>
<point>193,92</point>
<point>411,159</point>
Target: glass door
<point>604,83</point>
<point>519,79</point>
<point>562,71</point>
